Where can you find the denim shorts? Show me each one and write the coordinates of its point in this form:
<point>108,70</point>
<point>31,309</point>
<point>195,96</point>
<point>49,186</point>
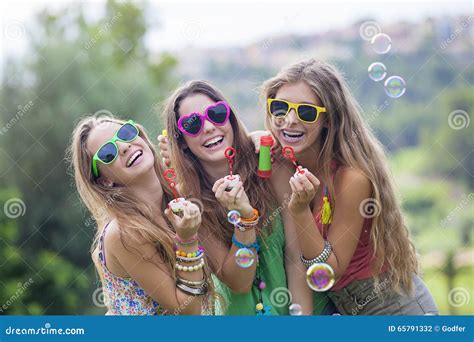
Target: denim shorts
<point>362,297</point>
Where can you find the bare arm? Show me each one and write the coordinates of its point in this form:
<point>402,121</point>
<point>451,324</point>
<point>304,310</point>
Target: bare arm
<point>295,270</point>
<point>351,188</point>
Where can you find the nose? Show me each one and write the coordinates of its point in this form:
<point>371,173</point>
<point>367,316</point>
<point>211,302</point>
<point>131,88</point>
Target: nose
<point>208,126</point>
<point>291,118</point>
<point>123,147</point>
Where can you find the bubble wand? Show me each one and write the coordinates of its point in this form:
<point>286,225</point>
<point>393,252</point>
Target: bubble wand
<point>231,178</point>
<point>289,153</point>
<point>176,205</point>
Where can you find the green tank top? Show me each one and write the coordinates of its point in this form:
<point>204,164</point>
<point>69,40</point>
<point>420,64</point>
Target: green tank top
<point>272,271</point>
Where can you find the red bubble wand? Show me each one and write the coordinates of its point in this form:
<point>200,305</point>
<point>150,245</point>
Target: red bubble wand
<point>233,179</point>
<point>289,153</point>
<point>177,204</point>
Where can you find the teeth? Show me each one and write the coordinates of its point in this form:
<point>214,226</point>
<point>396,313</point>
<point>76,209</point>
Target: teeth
<point>293,134</point>
<point>213,141</point>
<point>133,158</point>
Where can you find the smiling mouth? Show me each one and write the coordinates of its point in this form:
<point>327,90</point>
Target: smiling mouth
<point>134,158</point>
<point>213,142</point>
<point>292,136</point>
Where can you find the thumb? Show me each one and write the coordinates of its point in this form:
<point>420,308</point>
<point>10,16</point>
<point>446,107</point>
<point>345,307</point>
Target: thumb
<point>170,215</point>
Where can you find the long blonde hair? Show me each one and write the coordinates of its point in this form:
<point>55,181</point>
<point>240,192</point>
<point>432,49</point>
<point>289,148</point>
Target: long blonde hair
<point>136,220</point>
<point>192,177</point>
<point>348,141</point>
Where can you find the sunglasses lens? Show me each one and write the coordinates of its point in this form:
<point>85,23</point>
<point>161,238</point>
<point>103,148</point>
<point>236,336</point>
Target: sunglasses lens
<point>107,153</point>
<point>127,132</point>
<point>307,113</point>
<point>278,108</point>
<point>218,114</point>
<point>192,124</point>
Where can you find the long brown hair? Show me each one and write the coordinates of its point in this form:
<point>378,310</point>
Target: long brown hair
<point>136,220</point>
<point>192,177</point>
<point>348,141</point>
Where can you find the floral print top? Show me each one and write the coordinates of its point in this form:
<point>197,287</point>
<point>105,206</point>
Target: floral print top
<point>123,296</point>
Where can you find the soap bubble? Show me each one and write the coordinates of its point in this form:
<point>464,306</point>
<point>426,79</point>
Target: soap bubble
<point>233,217</point>
<point>377,71</point>
<point>320,277</point>
<point>295,310</point>
<point>244,257</point>
<point>381,43</point>
<point>395,86</point>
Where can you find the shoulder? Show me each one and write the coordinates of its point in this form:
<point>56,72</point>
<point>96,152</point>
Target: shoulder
<point>120,243</point>
<point>351,182</point>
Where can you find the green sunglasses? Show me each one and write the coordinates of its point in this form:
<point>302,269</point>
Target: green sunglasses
<point>108,152</point>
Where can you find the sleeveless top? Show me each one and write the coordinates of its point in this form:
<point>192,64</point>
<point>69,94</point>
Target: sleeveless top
<point>359,266</point>
<point>123,296</point>
<point>275,296</point>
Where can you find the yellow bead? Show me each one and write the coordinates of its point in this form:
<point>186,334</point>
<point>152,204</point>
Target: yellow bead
<point>259,306</point>
<point>183,254</point>
<point>190,255</point>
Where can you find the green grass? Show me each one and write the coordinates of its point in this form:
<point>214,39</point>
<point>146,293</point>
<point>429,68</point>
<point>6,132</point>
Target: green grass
<point>438,285</point>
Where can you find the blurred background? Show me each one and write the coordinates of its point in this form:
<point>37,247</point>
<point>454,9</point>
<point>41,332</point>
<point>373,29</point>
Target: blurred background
<point>63,60</point>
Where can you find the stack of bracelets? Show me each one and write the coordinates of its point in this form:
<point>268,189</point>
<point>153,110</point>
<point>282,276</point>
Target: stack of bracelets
<point>186,262</point>
<point>246,225</point>
<point>321,258</point>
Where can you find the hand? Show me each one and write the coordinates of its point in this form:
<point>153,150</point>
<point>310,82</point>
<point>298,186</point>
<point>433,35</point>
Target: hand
<point>255,136</point>
<point>304,187</point>
<point>187,226</point>
<point>236,199</point>
<point>164,153</point>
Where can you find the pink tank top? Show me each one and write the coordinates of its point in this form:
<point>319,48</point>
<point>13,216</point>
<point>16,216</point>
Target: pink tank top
<point>359,267</point>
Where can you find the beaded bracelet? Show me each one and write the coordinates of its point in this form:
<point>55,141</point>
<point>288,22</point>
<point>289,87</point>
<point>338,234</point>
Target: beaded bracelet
<point>245,228</point>
<point>199,251</point>
<point>190,268</point>
<point>321,258</point>
<point>255,245</point>
<point>191,259</point>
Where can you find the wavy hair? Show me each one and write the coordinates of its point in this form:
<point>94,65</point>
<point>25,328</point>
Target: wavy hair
<point>348,141</point>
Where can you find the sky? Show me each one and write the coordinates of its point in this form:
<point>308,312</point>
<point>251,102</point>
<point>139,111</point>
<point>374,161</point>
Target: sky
<point>201,24</point>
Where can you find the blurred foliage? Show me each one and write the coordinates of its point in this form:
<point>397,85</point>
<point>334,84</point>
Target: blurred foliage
<point>79,66</point>
<point>76,68</point>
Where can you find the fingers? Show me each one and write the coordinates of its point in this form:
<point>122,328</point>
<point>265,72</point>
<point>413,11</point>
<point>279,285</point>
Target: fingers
<point>304,181</point>
<point>313,179</point>
<point>221,189</point>
<point>232,193</point>
<point>171,216</point>
<point>217,184</point>
<point>297,185</point>
<point>239,194</point>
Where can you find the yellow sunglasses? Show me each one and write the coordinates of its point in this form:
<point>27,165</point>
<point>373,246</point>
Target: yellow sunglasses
<point>305,112</point>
